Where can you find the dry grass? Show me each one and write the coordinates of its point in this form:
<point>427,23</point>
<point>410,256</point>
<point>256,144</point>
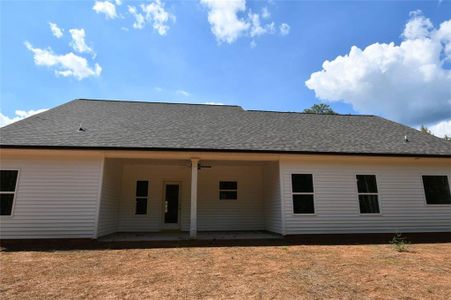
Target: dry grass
<point>282,272</point>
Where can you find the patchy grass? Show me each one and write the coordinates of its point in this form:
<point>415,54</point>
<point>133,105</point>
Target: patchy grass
<point>283,272</point>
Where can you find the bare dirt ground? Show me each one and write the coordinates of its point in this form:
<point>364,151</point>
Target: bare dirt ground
<point>262,272</point>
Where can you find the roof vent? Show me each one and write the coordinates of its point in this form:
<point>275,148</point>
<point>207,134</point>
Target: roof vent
<point>81,129</point>
<point>406,139</point>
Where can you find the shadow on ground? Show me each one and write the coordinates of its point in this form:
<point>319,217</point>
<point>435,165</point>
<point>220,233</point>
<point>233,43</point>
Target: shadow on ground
<point>317,239</point>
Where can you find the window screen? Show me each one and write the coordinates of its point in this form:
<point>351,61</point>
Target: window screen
<point>228,190</point>
<point>8,182</point>
<point>142,191</point>
<point>436,189</point>
<point>302,193</point>
<point>368,196</point>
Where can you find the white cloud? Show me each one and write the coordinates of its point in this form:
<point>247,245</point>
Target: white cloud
<point>407,82</point>
<point>213,103</point>
<point>118,2</point>
<point>256,28</point>
<point>65,65</point>
<point>444,34</point>
<point>265,13</point>
<point>229,21</point>
<point>56,31</point>
<point>441,128</point>
<point>153,13</point>
<point>139,18</point>
<point>105,7</point>
<point>78,41</point>
<point>224,20</point>
<point>284,29</point>
<point>158,16</point>
<point>418,26</point>
<point>183,93</point>
<point>20,115</point>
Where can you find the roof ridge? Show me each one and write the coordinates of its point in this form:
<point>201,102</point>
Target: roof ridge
<point>221,105</point>
<point>311,113</point>
<point>155,102</point>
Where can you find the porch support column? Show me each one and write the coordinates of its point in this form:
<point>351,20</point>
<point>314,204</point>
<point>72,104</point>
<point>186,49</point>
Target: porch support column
<point>193,215</point>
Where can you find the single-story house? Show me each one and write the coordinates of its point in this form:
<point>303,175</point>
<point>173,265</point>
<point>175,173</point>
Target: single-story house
<point>89,168</point>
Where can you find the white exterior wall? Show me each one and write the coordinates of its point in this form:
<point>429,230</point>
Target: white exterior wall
<point>110,197</point>
<point>401,196</point>
<point>55,197</point>
<point>157,175</point>
<point>271,196</point>
<point>246,213</point>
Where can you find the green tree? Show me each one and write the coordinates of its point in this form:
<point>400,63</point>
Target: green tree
<point>428,131</point>
<point>320,109</point>
<point>425,130</point>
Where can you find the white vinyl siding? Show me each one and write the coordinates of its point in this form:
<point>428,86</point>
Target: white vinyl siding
<point>271,191</point>
<point>245,213</point>
<point>58,197</point>
<point>157,175</point>
<point>55,198</point>
<point>400,194</point>
<point>110,197</point>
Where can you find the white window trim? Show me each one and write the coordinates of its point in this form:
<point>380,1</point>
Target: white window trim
<point>378,194</point>
<point>227,190</point>
<point>141,197</point>
<point>426,204</point>
<point>15,194</point>
<point>303,193</point>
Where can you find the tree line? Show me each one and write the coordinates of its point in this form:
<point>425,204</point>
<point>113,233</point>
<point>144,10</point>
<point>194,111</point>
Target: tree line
<point>325,109</point>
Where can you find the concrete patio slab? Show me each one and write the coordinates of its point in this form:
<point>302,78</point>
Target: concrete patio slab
<point>182,236</point>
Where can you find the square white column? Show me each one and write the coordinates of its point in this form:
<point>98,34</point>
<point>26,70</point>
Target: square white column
<point>193,215</point>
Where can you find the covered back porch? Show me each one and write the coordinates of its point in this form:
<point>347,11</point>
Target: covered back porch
<point>193,196</point>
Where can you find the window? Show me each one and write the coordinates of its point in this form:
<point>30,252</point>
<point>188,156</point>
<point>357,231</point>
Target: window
<point>142,191</point>
<point>368,198</point>
<point>8,182</point>
<point>302,189</point>
<point>436,189</point>
<point>228,190</point>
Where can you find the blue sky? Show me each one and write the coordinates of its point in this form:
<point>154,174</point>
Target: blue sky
<point>207,51</point>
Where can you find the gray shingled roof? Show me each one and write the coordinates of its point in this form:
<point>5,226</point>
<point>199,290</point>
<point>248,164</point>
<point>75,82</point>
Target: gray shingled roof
<point>147,125</point>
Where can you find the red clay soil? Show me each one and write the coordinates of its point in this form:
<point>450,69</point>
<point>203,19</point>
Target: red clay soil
<point>281,272</point>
